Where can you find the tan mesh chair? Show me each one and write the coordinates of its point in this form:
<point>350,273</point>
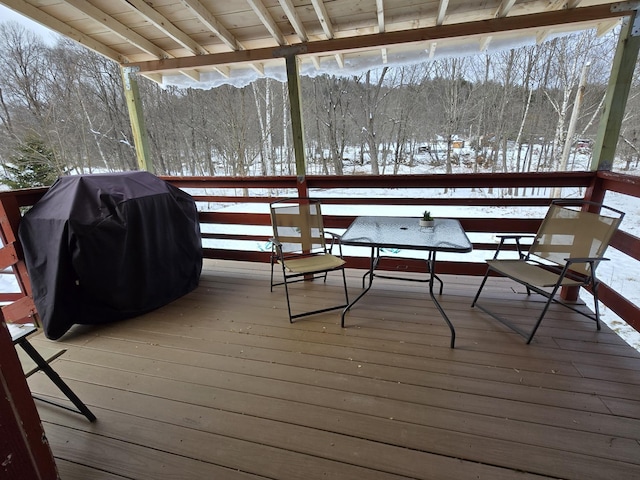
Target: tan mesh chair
<point>565,252</point>
<point>300,247</point>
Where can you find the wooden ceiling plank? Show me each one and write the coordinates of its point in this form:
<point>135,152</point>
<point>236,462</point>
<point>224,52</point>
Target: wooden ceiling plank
<point>267,20</point>
<point>207,18</point>
<point>381,23</point>
<point>63,29</point>
<point>118,28</point>
<point>442,11</point>
<point>294,19</point>
<point>323,17</point>
<point>538,21</point>
<point>164,25</point>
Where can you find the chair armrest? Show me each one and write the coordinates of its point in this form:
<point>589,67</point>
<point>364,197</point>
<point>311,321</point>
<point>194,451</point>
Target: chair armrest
<point>335,238</point>
<point>516,238</point>
<point>585,259</point>
<point>275,242</point>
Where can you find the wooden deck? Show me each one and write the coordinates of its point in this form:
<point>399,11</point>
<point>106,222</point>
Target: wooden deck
<point>219,385</point>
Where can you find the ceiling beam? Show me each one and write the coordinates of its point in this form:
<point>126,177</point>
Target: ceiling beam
<point>294,19</point>
<point>63,29</point>
<point>442,11</point>
<point>504,8</point>
<point>118,28</point>
<point>323,17</point>
<point>366,42</point>
<point>165,26</point>
<point>207,18</point>
<point>380,13</point>
<point>267,20</point>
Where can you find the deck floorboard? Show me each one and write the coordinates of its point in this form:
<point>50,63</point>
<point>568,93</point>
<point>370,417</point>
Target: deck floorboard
<point>219,384</point>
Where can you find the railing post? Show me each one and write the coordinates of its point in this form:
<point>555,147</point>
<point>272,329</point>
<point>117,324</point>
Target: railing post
<point>9,221</point>
<point>303,187</point>
<point>594,193</point>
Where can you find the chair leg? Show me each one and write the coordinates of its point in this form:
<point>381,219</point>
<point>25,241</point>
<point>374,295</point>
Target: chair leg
<point>542,314</point>
<point>596,304</point>
<point>272,262</point>
<point>58,382</point>
<point>346,293</point>
<point>484,280</point>
<point>286,292</point>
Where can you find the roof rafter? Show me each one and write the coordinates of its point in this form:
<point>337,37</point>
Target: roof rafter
<point>207,18</point>
<point>325,22</point>
<point>165,26</point>
<point>380,13</point>
<point>442,11</point>
<point>503,10</point>
<point>557,5</point>
<point>294,19</point>
<point>323,17</point>
<point>63,29</point>
<point>267,20</point>
<point>371,41</point>
<point>381,27</point>
<point>118,28</point>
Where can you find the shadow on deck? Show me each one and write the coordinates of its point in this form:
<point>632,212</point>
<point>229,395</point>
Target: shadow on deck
<point>219,385</point>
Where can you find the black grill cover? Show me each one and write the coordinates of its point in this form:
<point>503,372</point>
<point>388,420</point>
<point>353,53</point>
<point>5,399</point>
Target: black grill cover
<point>100,248</point>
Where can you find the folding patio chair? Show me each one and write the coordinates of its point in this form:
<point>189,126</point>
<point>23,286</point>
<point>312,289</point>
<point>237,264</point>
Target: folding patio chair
<point>300,247</point>
<point>565,252</point>
<point>33,361</point>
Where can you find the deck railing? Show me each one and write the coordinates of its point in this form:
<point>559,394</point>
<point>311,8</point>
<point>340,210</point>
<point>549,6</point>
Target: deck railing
<point>235,221</point>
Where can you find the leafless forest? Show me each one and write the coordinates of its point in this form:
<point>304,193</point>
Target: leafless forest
<point>62,106</point>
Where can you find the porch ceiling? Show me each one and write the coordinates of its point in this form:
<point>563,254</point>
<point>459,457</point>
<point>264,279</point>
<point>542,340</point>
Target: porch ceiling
<point>208,42</point>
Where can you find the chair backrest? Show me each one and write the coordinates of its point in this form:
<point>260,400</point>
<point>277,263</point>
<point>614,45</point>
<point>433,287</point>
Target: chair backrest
<point>568,232</point>
<point>297,225</point>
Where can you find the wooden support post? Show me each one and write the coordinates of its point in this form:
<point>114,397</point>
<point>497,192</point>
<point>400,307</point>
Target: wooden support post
<point>136,118</point>
<point>624,64</point>
<point>295,106</point>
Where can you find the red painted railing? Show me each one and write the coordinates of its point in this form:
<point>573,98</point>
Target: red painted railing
<point>236,225</point>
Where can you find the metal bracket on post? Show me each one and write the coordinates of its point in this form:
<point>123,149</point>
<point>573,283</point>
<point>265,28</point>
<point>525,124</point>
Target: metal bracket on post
<point>128,71</point>
<point>624,7</point>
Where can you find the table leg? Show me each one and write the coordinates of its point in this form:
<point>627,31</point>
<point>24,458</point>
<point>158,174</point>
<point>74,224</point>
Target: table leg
<point>372,265</point>
<point>432,264</point>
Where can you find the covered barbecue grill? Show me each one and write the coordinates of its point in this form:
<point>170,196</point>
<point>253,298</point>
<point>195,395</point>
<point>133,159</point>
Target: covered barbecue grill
<point>107,247</point>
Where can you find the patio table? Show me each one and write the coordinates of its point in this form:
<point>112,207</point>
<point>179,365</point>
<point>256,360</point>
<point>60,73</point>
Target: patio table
<point>446,235</point>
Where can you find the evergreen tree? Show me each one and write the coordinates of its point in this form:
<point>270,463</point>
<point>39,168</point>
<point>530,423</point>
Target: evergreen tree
<point>34,165</point>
